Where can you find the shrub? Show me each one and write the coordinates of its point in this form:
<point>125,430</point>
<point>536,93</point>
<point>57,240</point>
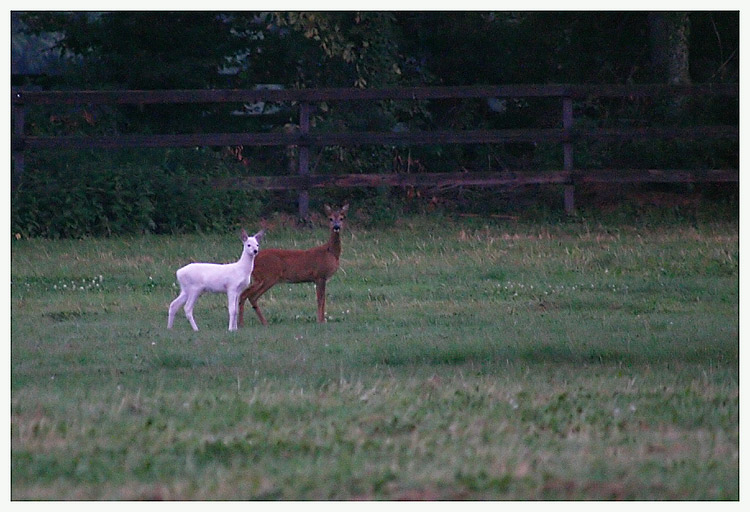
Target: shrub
<point>113,193</point>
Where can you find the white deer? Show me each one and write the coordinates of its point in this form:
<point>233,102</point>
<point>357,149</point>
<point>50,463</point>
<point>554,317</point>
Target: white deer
<point>230,278</point>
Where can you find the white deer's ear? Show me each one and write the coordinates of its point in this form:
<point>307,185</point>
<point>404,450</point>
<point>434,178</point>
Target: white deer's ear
<point>243,235</point>
<point>260,234</point>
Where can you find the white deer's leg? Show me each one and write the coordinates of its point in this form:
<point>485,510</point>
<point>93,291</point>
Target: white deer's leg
<point>189,310</point>
<point>232,305</point>
<point>174,307</point>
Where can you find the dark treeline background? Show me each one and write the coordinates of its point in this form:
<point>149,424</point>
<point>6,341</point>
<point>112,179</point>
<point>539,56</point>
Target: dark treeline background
<point>112,192</point>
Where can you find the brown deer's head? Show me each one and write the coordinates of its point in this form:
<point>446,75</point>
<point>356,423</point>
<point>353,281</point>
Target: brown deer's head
<point>336,217</point>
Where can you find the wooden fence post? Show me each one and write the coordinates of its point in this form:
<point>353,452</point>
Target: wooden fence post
<point>569,188</point>
<point>304,159</point>
<point>19,121</point>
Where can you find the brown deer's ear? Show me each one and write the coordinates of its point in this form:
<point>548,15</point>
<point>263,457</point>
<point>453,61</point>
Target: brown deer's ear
<point>345,208</point>
<point>327,209</point>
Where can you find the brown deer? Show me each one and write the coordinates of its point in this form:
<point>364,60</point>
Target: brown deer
<point>315,265</point>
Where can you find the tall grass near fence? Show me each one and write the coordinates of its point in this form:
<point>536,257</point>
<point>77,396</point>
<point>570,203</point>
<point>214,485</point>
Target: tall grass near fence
<point>461,360</point>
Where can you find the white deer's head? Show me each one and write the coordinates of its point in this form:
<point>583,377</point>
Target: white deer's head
<point>251,244</point>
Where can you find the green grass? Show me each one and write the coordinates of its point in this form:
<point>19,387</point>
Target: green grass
<point>461,360</point>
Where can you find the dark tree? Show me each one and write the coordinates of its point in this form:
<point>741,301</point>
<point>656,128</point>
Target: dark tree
<point>669,34</point>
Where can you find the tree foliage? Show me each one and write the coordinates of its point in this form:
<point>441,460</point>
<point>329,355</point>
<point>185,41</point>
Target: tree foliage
<point>155,50</point>
<point>200,49</point>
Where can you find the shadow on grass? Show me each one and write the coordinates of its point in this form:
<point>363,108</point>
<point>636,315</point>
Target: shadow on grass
<point>488,354</point>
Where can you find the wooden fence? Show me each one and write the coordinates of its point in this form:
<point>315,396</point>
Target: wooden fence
<point>303,138</point>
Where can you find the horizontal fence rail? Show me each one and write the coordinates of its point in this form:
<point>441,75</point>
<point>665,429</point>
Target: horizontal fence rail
<point>375,138</point>
<point>295,139</point>
<point>438,180</point>
<point>347,94</point>
<point>304,139</point>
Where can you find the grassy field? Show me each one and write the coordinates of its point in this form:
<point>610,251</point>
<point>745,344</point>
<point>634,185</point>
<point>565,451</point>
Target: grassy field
<point>462,360</point>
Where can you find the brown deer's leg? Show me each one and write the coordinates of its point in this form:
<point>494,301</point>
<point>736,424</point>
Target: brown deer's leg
<point>241,312</point>
<point>258,312</point>
<point>320,291</point>
<point>253,294</point>
<point>243,297</point>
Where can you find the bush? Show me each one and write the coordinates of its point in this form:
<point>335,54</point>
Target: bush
<point>103,194</point>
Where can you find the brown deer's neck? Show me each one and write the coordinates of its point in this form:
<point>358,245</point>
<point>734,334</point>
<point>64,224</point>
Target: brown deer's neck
<point>334,244</point>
